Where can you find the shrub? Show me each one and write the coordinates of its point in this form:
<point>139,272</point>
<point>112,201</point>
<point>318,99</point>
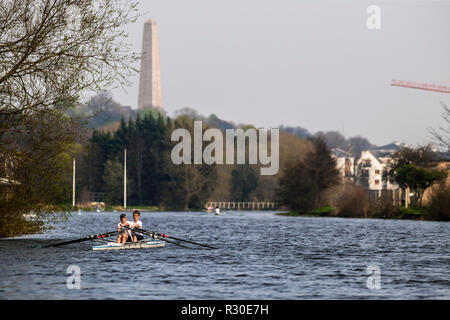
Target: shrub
<point>353,202</point>
<point>18,225</point>
<point>383,207</point>
<point>439,206</point>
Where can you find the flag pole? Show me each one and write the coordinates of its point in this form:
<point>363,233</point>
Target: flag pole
<point>125,179</point>
<point>73,184</point>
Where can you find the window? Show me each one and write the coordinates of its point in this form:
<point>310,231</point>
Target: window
<point>377,181</point>
<point>377,171</point>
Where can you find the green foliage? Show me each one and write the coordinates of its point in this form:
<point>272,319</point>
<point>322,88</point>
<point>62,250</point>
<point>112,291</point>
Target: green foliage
<point>414,213</point>
<point>113,180</point>
<point>153,180</point>
<point>320,212</point>
<point>418,179</point>
<point>323,211</point>
<point>45,68</point>
<point>35,172</point>
<point>244,181</point>
<point>18,225</point>
<point>303,182</point>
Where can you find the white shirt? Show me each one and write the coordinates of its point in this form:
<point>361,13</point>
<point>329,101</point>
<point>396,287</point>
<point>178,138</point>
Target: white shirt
<point>136,224</point>
<point>122,228</point>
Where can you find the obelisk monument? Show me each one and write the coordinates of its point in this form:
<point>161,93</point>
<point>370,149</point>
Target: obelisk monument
<point>150,76</point>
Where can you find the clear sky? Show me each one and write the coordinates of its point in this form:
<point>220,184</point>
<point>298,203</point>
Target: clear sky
<point>308,63</point>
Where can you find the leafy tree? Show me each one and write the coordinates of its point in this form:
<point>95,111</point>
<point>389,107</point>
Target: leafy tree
<point>244,181</point>
<point>418,179</point>
<point>303,182</point>
<point>421,156</point>
<point>46,62</point>
<point>413,168</point>
<point>187,185</point>
<point>113,180</point>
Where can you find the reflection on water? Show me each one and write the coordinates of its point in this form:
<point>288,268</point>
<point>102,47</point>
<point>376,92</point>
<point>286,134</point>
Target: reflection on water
<point>260,256</point>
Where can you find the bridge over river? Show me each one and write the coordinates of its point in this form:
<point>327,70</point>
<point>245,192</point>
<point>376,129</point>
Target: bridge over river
<point>254,205</point>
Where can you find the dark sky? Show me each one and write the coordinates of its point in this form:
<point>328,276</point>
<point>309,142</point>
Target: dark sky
<point>308,63</point>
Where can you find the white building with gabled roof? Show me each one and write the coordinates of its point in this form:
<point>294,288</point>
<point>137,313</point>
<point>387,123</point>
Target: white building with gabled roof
<point>371,168</point>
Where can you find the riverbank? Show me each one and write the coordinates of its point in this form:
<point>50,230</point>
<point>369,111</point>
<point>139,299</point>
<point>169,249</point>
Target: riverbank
<point>401,213</point>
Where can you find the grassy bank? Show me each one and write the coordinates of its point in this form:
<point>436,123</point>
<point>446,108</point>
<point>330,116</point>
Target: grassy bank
<point>399,213</point>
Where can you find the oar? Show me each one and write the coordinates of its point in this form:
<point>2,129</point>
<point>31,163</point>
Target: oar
<point>163,235</point>
<point>153,234</point>
<point>87,238</point>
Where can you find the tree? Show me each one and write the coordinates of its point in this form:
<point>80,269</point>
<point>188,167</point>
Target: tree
<point>187,185</point>
<point>333,139</point>
<point>442,134</point>
<point>52,51</point>
<point>37,179</point>
<point>413,168</point>
<point>420,156</point>
<point>113,180</point>
<point>357,145</point>
<point>418,179</point>
<point>303,182</point>
<point>297,131</point>
<point>244,181</point>
<point>440,202</point>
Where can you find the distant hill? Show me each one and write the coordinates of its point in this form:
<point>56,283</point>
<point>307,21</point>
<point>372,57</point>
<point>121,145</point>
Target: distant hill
<point>103,113</point>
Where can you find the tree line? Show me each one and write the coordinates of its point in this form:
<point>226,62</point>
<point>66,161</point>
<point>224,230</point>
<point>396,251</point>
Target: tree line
<point>152,178</point>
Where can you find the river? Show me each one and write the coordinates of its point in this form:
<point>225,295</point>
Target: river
<point>260,256</point>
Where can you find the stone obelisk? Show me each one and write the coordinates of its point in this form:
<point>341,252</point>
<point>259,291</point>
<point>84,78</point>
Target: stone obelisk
<point>150,76</point>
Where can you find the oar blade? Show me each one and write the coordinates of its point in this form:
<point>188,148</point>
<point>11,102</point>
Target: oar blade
<point>87,238</point>
<point>163,235</point>
<point>156,236</point>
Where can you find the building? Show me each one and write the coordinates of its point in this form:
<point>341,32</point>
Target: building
<point>345,163</point>
<point>371,169</point>
<point>150,75</point>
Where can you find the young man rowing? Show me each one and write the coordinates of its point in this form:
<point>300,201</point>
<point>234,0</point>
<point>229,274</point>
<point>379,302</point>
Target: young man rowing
<point>136,224</point>
<point>124,229</point>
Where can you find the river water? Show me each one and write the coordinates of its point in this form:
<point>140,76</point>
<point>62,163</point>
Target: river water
<point>260,256</point>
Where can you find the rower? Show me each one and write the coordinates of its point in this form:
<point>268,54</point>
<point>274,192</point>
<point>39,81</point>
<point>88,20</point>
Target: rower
<point>123,229</point>
<point>137,224</point>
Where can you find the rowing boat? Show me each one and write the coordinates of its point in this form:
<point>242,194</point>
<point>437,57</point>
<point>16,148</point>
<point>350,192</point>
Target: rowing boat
<point>155,240</point>
<point>130,245</point>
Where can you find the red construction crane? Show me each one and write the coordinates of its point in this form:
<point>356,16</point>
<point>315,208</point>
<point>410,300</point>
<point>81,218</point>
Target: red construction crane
<point>422,86</point>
